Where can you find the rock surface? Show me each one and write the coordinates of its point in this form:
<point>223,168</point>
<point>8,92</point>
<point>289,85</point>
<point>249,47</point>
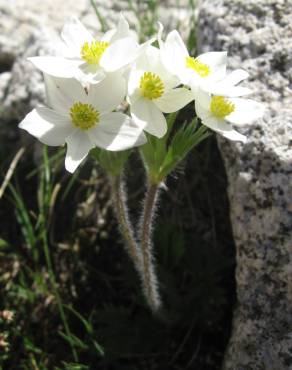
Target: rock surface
<point>258,37</point>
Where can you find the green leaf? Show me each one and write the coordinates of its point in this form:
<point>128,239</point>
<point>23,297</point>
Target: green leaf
<point>112,162</point>
<point>86,323</point>
<point>74,341</point>
<point>162,156</point>
<point>4,244</point>
<point>73,366</point>
<point>98,348</point>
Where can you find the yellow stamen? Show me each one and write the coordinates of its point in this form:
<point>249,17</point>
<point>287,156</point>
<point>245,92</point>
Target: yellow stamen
<point>84,116</point>
<point>92,52</point>
<point>203,70</point>
<point>221,107</point>
<point>151,86</point>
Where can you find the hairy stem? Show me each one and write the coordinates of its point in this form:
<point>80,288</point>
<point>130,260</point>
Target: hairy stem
<point>120,204</point>
<point>150,284</point>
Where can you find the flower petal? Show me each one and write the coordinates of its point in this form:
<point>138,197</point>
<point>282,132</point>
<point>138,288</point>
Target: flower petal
<point>173,52</point>
<point>62,93</point>
<point>246,111</point>
<point>108,35</point>
<point>217,61</point>
<point>226,90</point>
<point>134,84</point>
<point>233,135</point>
<point>150,61</point>
<point>116,131</point>
<point>223,128</point>
<point>227,87</point>
<point>174,39</point>
<point>119,54</point>
<point>78,146</point>
<point>56,66</point>
<point>174,99</point>
<point>123,29</point>
<point>202,99</point>
<point>75,35</point>
<point>235,77</point>
<point>88,74</point>
<point>109,93</point>
<point>147,116</point>
<point>159,34</point>
<point>48,126</point>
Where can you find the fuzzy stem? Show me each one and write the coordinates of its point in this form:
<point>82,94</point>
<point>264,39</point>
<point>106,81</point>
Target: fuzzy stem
<point>120,205</point>
<point>149,276</point>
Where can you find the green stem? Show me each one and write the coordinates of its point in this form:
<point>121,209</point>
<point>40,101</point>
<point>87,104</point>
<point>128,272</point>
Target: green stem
<point>99,16</point>
<point>56,293</point>
<point>149,276</point>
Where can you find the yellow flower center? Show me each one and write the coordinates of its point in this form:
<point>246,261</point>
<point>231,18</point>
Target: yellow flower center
<point>84,116</point>
<point>200,68</point>
<point>151,86</point>
<point>92,52</point>
<point>221,107</point>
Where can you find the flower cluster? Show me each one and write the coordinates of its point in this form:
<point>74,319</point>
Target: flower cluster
<point>110,93</point>
<point>86,86</point>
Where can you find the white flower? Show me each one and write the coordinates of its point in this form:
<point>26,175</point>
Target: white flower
<point>83,119</point>
<point>228,85</point>
<point>194,72</point>
<point>89,59</point>
<point>219,113</point>
<point>152,90</point>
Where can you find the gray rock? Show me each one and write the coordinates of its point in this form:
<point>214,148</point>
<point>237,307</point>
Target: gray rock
<point>258,37</point>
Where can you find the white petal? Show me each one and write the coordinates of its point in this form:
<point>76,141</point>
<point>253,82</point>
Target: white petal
<point>217,61</point>
<point>78,146</point>
<point>48,126</point>
<point>75,35</point>
<point>123,29</point>
<point>107,37</point>
<point>246,111</point>
<point>116,131</point>
<point>109,93</point>
<point>173,100</point>
<point>221,89</point>
<point>174,39</point>
<point>119,54</point>
<point>63,93</point>
<point>147,116</point>
<point>88,74</point>
<point>104,96</point>
<point>149,59</point>
<point>201,111</point>
<point>174,52</point>
<point>134,83</point>
<point>233,135</point>
<point>147,44</point>
<point>223,128</point>
<point>227,87</point>
<point>159,34</point>
<point>56,66</point>
<point>235,77</point>
<point>203,99</point>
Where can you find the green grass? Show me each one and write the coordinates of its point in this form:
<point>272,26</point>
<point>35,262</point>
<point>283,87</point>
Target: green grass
<point>75,296</point>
